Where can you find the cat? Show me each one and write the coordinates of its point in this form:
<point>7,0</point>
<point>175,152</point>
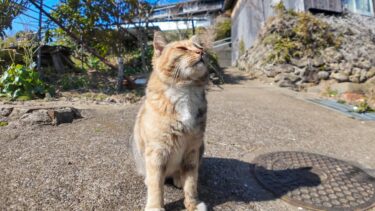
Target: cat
<point>170,125</point>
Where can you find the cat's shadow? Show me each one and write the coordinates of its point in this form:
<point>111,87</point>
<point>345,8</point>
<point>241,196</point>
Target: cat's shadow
<point>228,180</point>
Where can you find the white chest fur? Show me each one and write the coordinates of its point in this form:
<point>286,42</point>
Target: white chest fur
<point>188,101</point>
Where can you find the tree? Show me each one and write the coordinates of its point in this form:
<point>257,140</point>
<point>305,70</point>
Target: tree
<point>10,9</point>
<point>104,25</point>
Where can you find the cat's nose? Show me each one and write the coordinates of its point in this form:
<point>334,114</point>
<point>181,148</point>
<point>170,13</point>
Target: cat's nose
<point>199,52</point>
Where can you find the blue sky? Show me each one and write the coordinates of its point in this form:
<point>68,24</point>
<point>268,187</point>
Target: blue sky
<point>29,20</point>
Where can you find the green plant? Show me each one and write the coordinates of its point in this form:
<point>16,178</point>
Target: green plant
<point>363,107</point>
<point>242,47</point>
<point>69,82</point>
<point>223,29</point>
<point>20,81</point>
<point>331,92</point>
<point>296,35</point>
<point>2,124</point>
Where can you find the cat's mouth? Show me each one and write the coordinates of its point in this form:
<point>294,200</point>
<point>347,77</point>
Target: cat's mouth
<point>202,60</point>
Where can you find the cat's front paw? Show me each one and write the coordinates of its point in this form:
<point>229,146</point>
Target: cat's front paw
<point>154,209</point>
<point>197,207</point>
<point>177,182</point>
<point>201,207</point>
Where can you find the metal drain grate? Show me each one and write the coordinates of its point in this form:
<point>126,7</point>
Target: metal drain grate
<point>345,109</point>
<point>315,181</point>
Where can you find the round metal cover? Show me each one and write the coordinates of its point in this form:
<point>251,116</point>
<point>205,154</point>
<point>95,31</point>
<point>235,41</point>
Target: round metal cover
<point>315,181</point>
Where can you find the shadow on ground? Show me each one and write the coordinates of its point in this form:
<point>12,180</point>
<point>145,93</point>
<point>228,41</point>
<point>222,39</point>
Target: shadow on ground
<point>231,78</point>
<point>229,180</point>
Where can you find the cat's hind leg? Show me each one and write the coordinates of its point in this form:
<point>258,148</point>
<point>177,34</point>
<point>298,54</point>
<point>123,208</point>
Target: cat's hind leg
<point>177,179</point>
<point>190,181</point>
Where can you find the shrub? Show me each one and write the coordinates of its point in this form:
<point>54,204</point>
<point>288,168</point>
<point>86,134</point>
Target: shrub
<point>19,81</point>
<point>69,82</point>
<point>223,29</point>
<point>296,35</point>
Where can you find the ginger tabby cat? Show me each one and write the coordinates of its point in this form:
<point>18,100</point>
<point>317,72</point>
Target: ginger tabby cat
<point>169,129</point>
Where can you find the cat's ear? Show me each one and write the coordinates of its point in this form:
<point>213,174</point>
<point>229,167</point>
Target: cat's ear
<point>159,43</point>
<point>198,42</point>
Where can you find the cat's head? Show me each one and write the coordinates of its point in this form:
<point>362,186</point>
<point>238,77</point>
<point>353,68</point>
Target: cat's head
<point>179,61</point>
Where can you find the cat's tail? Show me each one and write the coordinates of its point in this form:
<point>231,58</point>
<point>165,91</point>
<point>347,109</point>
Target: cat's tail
<point>137,155</point>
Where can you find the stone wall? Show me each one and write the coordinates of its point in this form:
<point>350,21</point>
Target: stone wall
<point>248,18</point>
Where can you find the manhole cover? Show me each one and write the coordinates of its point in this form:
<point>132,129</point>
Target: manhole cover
<point>315,181</point>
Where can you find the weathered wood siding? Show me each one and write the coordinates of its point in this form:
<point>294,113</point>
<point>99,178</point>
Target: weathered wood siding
<point>324,5</point>
<point>248,17</point>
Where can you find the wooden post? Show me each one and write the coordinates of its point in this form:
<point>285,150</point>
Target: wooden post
<point>192,24</point>
<point>120,74</point>
<point>39,56</point>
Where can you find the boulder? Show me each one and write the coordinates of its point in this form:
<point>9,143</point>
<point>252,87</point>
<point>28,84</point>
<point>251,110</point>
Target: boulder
<point>363,76</point>
<point>4,112</point>
<point>318,61</point>
<point>340,77</point>
<point>334,67</point>
<point>37,117</point>
<point>354,78</point>
<point>332,55</point>
<point>364,64</point>
<point>323,75</point>
<point>370,73</point>
<point>301,63</point>
<point>346,67</point>
<point>63,115</point>
<point>18,113</point>
<point>310,75</point>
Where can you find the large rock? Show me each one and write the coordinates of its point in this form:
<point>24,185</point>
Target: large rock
<point>4,112</point>
<point>301,63</point>
<point>318,61</point>
<point>340,77</point>
<point>363,76</point>
<point>370,73</point>
<point>45,116</point>
<point>334,67</point>
<point>346,68</point>
<point>354,78</point>
<point>310,75</point>
<point>63,115</point>
<point>332,55</point>
<point>37,117</point>
<point>364,64</point>
<point>18,113</point>
<point>323,75</point>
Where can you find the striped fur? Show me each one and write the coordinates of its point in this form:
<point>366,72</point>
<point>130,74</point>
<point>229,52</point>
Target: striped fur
<point>169,129</point>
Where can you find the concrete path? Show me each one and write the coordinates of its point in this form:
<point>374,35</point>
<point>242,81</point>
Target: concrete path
<point>86,165</point>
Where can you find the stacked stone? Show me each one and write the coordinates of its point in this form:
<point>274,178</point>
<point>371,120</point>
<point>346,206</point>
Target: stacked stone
<point>353,61</point>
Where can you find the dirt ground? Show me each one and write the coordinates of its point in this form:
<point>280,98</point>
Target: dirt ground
<point>87,165</point>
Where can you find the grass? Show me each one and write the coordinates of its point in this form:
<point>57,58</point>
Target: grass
<point>3,124</point>
<point>331,92</point>
<point>363,107</point>
<point>297,35</point>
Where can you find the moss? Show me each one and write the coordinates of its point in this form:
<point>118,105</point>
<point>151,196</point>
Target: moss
<point>242,47</point>
<point>296,35</point>
<point>3,124</point>
<point>223,29</point>
<point>364,107</point>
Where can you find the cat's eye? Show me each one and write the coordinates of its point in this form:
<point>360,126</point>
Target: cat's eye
<point>182,48</point>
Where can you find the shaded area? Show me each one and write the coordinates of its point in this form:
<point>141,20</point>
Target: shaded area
<point>230,180</point>
<point>336,185</point>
